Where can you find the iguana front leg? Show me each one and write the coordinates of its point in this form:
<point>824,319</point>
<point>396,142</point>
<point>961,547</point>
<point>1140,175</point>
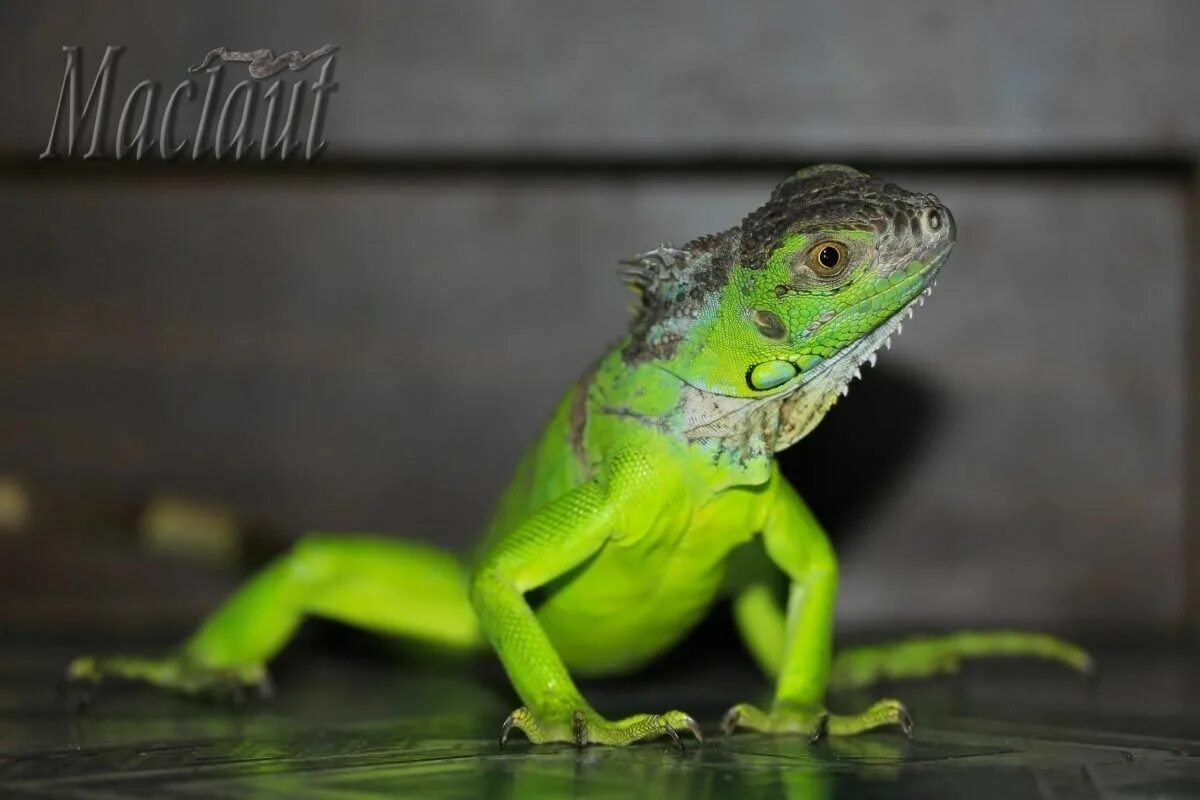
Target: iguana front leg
<point>801,657</point>
<point>553,541</point>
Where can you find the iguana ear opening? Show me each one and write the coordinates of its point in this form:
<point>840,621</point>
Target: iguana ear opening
<point>769,324</point>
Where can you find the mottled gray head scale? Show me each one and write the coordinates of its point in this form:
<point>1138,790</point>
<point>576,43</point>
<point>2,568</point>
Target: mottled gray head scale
<point>833,195</point>
<point>675,284</point>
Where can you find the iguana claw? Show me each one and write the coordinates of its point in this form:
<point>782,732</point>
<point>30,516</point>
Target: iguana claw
<point>729,721</point>
<point>579,729</point>
<point>906,724</point>
<point>822,729</point>
<point>505,727</point>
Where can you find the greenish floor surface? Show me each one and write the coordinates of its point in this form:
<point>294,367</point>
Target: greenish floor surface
<point>363,726</point>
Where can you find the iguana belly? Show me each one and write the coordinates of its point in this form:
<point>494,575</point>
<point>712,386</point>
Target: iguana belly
<point>639,596</point>
<point>621,610</point>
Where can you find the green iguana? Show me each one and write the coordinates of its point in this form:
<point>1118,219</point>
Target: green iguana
<point>655,468</point>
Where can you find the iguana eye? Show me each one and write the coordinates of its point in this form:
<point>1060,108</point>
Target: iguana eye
<point>828,259</point>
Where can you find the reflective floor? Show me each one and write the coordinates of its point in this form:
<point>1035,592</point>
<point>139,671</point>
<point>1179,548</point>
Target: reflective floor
<point>369,723</point>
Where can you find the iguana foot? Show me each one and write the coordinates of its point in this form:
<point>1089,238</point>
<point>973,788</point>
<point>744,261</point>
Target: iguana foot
<point>586,727</point>
<point>176,673</point>
<point>816,723</point>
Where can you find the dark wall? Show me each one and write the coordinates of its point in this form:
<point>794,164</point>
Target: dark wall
<point>369,341</point>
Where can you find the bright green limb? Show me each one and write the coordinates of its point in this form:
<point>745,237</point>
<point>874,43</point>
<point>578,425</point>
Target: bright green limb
<point>761,623</point>
<point>795,542</point>
<point>923,657</point>
<point>760,620</point>
<point>796,647</point>
<point>756,608</point>
<point>554,540</point>
<point>389,586</point>
<point>174,672</point>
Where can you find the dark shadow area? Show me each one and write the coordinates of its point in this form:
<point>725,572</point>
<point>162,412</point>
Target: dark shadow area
<point>846,468</point>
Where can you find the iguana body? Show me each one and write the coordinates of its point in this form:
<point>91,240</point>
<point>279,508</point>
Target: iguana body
<point>653,472</point>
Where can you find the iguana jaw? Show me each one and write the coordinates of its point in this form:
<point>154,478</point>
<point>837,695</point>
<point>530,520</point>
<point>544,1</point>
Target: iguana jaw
<point>778,421</point>
<point>817,390</point>
<point>839,370</point>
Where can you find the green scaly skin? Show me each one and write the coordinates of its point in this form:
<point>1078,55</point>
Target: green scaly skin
<point>656,468</point>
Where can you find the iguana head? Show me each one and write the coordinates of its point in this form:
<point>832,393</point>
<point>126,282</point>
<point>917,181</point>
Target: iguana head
<point>786,307</point>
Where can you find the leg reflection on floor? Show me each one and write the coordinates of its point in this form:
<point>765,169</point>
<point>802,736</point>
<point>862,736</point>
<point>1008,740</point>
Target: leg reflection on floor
<point>346,727</point>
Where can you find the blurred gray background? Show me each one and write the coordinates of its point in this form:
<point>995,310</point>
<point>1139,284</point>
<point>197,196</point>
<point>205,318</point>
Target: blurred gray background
<point>368,342</point>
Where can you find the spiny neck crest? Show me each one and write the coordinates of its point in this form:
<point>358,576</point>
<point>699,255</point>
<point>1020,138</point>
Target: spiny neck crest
<point>673,286</point>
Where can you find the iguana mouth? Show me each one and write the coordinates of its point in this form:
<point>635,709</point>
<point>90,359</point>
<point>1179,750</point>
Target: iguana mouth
<point>866,350</point>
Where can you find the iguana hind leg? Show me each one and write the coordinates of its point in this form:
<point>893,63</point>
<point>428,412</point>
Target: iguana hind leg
<point>392,587</point>
<point>926,656</point>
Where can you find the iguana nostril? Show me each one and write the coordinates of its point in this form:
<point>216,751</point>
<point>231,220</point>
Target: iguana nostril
<point>940,222</point>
